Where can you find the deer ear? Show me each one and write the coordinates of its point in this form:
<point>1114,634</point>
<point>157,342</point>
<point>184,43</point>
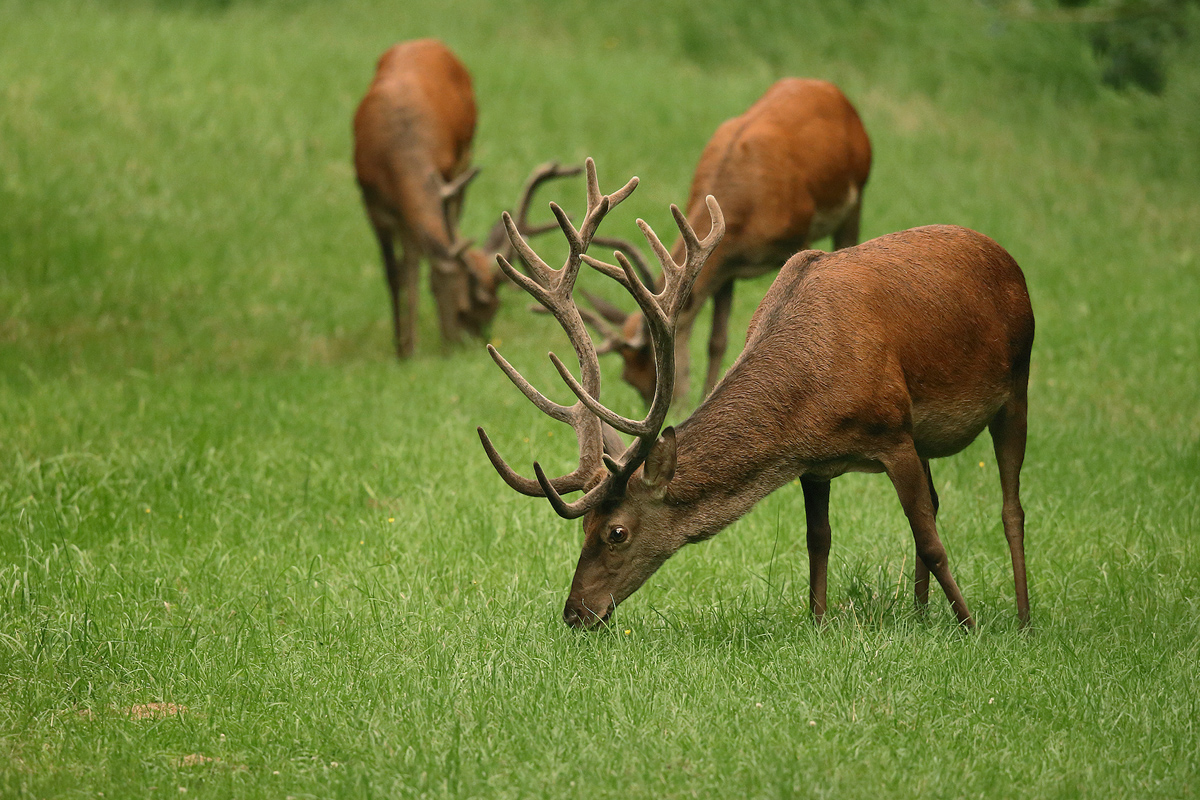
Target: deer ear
<point>659,468</point>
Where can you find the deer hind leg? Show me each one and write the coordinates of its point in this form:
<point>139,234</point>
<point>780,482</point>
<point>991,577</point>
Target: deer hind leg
<point>718,339</point>
<point>904,467</point>
<point>1008,430</point>
<point>816,520</point>
<point>920,571</point>
<point>846,234</point>
<point>400,289</point>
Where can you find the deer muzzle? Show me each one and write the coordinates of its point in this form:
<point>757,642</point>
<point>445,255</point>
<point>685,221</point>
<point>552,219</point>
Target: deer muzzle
<point>579,614</point>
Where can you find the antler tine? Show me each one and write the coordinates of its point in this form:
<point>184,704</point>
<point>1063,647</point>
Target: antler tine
<point>594,213</point>
<point>699,251</point>
<point>544,404</point>
<point>678,278</point>
<point>521,279</point>
<point>451,193</point>
<point>497,241</point>
<point>538,230</point>
<point>562,507</point>
<point>523,485</point>
<point>616,273</point>
<point>543,273</point>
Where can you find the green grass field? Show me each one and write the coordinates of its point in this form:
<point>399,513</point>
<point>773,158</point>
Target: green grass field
<point>244,552</point>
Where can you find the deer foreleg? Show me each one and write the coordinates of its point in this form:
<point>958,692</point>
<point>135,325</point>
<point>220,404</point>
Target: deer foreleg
<point>683,355</point>
<point>816,519</point>
<point>846,234</point>
<point>450,294</point>
<point>400,289</point>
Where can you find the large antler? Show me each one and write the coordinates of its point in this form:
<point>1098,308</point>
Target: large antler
<point>661,311</point>
<point>552,288</point>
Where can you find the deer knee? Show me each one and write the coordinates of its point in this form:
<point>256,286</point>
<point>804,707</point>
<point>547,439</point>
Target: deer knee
<point>932,554</point>
<point>716,346</point>
<point>1014,521</point>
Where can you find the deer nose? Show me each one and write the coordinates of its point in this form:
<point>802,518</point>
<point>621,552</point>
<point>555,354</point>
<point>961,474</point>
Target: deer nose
<point>571,616</point>
<point>578,615</point>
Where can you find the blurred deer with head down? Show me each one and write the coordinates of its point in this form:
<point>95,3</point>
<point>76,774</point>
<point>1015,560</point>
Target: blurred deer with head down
<point>412,154</point>
<point>787,173</point>
<point>874,358</point>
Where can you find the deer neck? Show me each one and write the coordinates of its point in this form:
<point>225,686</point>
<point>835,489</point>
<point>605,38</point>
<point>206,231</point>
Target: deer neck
<point>730,455</point>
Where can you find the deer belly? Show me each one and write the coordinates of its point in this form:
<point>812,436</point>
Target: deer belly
<point>828,470</point>
<point>943,428</point>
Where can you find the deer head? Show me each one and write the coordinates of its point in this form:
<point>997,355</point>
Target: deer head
<point>627,514</point>
<point>479,278</point>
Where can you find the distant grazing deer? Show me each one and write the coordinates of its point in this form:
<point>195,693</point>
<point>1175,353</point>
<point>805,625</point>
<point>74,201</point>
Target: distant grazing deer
<point>875,358</point>
<point>788,172</point>
<point>412,151</point>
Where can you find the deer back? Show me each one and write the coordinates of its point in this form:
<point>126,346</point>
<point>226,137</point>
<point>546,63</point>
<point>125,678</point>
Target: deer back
<point>786,172</point>
<point>413,127</point>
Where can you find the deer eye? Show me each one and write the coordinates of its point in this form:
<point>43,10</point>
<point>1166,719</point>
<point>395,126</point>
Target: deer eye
<point>618,534</point>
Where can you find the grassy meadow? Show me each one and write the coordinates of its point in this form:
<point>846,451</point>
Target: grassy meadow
<point>245,552</point>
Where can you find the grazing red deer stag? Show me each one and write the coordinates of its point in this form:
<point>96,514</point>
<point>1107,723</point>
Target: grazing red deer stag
<point>788,172</point>
<point>874,358</point>
<point>412,151</point>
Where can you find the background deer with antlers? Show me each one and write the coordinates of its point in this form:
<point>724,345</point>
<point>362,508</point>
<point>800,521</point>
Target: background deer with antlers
<point>412,153</point>
<point>788,172</point>
<point>875,358</point>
